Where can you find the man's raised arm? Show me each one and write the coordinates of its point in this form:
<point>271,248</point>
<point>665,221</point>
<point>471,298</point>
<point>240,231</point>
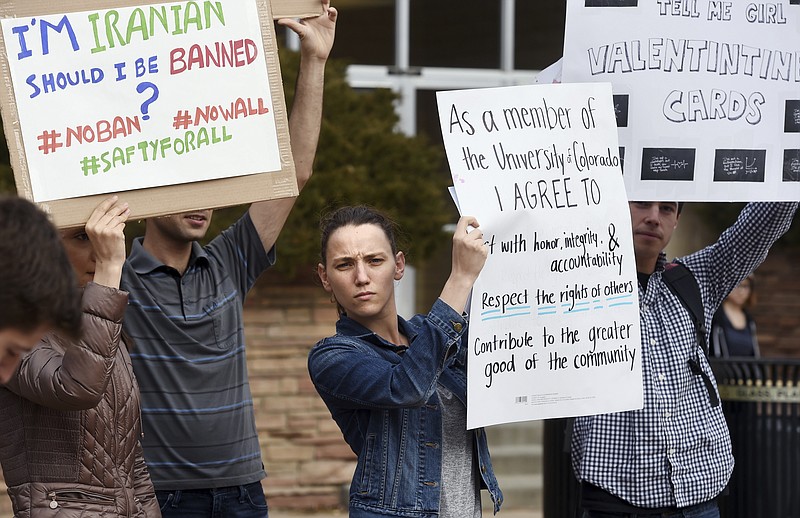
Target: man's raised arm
<point>316,39</point>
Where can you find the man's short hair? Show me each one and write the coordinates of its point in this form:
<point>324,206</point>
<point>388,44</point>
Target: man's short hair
<point>37,284</point>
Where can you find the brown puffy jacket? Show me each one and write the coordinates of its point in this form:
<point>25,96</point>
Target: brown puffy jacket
<point>70,423</point>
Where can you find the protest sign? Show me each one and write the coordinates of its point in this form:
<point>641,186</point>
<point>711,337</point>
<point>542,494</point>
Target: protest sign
<point>178,105</point>
<point>551,74</point>
<point>707,93</point>
<point>554,317</point>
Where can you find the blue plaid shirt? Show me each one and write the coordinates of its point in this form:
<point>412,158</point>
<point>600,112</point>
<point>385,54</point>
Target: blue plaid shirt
<point>676,451</point>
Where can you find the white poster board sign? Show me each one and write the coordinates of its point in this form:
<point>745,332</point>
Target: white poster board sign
<point>202,69</point>
<point>707,93</point>
<point>554,319</point>
<point>120,99</point>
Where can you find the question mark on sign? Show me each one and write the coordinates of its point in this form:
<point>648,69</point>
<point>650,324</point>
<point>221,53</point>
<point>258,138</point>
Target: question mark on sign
<point>150,100</point>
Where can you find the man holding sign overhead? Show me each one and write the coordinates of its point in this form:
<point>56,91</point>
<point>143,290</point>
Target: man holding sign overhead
<point>200,438</point>
<point>673,457</point>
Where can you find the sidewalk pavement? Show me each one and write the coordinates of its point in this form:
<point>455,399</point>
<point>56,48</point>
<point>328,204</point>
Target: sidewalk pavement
<point>504,513</point>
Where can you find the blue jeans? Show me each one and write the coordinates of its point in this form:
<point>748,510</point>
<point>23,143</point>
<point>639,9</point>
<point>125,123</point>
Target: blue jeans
<point>704,510</point>
<point>222,502</point>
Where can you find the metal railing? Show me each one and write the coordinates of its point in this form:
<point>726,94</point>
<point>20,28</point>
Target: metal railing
<point>761,403</point>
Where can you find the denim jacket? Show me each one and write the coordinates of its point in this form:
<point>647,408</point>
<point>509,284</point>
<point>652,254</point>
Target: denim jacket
<point>383,397</point>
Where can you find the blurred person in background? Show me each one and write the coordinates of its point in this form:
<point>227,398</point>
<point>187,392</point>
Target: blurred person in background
<point>733,330</point>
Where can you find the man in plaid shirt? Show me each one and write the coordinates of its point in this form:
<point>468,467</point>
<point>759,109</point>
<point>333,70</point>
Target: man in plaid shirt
<point>673,457</point>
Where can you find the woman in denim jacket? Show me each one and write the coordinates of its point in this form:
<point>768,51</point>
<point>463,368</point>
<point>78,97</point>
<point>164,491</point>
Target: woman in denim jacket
<point>397,388</point>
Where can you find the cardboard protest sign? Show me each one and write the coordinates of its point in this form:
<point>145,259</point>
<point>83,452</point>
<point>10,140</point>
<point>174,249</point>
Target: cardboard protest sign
<point>295,8</point>
<point>178,105</point>
<point>706,92</point>
<point>554,317</point>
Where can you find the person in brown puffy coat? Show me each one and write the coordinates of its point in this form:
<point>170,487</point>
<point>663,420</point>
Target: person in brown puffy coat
<point>69,416</point>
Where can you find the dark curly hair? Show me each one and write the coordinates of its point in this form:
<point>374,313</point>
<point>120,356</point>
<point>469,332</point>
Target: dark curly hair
<point>39,286</point>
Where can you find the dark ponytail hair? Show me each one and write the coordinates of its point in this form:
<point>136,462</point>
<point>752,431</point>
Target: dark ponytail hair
<point>355,215</point>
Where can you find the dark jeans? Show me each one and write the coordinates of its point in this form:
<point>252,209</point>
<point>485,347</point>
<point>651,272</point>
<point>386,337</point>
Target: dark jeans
<point>222,502</point>
<point>705,510</point>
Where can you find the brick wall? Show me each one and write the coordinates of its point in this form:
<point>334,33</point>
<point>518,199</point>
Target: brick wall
<point>306,458</point>
<point>777,309</point>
